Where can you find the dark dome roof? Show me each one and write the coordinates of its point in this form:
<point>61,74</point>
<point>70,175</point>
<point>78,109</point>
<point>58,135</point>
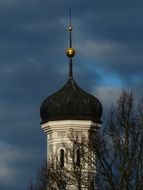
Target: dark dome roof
<point>71,102</point>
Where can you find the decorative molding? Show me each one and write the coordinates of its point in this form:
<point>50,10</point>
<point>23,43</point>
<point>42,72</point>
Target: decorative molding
<point>78,125</point>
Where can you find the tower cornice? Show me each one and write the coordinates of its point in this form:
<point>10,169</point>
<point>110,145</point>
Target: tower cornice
<point>65,125</point>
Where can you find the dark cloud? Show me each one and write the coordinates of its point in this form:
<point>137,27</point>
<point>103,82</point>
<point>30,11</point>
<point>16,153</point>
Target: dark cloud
<point>108,37</point>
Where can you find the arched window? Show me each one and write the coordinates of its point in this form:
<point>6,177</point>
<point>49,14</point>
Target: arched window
<point>78,157</point>
<point>62,158</point>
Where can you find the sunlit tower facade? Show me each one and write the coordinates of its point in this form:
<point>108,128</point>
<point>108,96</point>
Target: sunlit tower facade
<point>70,110</point>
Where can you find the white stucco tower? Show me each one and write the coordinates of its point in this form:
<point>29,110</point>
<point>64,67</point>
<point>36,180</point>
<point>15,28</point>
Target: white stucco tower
<point>69,117</point>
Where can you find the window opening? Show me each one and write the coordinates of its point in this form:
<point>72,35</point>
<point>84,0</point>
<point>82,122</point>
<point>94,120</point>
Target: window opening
<point>78,157</point>
<point>62,158</point>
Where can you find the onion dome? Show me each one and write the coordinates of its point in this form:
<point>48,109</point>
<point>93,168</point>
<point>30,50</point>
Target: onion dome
<point>71,102</point>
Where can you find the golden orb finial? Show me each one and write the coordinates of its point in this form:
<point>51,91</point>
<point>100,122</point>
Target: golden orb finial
<point>70,52</point>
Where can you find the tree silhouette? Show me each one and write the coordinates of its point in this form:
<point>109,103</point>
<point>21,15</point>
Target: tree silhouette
<point>120,152</point>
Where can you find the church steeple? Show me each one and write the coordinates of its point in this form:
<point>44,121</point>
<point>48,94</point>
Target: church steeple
<point>70,51</point>
<point>70,111</point>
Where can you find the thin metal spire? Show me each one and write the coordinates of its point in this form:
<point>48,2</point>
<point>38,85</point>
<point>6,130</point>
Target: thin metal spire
<point>70,29</point>
<point>70,51</point>
<point>70,17</point>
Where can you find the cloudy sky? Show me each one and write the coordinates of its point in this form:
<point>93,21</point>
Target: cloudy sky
<point>108,38</point>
